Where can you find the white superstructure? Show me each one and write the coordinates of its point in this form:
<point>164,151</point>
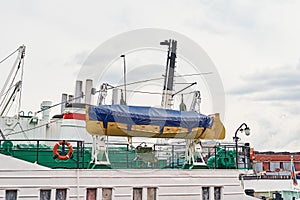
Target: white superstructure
<point>28,182</point>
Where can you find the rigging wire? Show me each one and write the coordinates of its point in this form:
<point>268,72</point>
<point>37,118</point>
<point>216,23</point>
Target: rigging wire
<point>134,91</point>
<point>182,83</point>
<point>184,89</point>
<point>58,104</point>
<point>4,93</point>
<point>12,81</point>
<point>13,99</point>
<point>196,74</point>
<point>9,55</point>
<point>154,79</point>
<point>144,92</point>
<point>136,82</point>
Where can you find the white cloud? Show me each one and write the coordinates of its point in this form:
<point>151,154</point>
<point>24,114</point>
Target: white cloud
<point>271,84</point>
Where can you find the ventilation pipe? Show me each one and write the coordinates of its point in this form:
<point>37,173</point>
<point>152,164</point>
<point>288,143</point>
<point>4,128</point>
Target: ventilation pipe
<point>115,96</point>
<point>78,91</point>
<point>45,105</point>
<point>88,91</point>
<point>64,98</point>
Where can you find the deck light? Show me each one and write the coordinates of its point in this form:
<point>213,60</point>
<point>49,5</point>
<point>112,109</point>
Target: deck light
<point>236,139</point>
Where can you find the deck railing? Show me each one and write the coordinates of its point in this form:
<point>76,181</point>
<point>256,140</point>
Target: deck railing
<point>41,152</point>
<point>122,156</point>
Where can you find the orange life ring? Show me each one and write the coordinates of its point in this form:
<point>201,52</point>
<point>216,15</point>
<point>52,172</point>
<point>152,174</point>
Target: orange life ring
<point>62,157</point>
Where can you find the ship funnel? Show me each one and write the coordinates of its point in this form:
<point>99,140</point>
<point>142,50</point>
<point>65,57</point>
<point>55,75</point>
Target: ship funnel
<point>45,105</point>
<point>88,91</point>
<point>78,91</point>
<point>64,98</point>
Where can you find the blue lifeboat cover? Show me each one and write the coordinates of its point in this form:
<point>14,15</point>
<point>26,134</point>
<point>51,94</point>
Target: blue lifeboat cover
<point>142,115</point>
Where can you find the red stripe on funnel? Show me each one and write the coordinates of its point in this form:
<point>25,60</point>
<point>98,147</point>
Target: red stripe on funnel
<point>77,116</point>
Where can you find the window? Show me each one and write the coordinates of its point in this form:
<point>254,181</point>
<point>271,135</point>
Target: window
<point>137,193</point>
<point>274,166</point>
<point>11,195</point>
<point>45,194</point>
<point>61,194</point>
<point>286,166</point>
<point>205,193</point>
<point>217,193</point>
<point>106,193</point>
<point>259,167</point>
<point>151,193</point>
<point>91,194</point>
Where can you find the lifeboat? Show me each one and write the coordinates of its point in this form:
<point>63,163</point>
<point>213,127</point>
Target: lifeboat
<point>142,121</point>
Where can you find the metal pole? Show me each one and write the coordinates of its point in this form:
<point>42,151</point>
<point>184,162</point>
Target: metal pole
<point>127,150</point>
<point>166,78</point>
<point>78,150</point>
<point>236,152</point>
<point>215,167</point>
<point>165,89</point>
<point>82,153</point>
<point>124,60</point>
<point>173,157</point>
<point>37,151</point>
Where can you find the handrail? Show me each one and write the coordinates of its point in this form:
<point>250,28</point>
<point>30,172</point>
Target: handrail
<point>122,155</point>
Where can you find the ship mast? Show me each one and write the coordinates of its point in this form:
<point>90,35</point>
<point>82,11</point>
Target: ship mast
<point>169,75</point>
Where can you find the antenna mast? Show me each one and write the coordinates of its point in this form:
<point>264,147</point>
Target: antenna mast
<point>167,97</point>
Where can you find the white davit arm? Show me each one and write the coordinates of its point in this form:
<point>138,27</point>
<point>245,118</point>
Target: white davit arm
<point>196,102</point>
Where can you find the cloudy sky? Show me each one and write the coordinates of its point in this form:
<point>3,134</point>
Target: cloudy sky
<point>254,44</point>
